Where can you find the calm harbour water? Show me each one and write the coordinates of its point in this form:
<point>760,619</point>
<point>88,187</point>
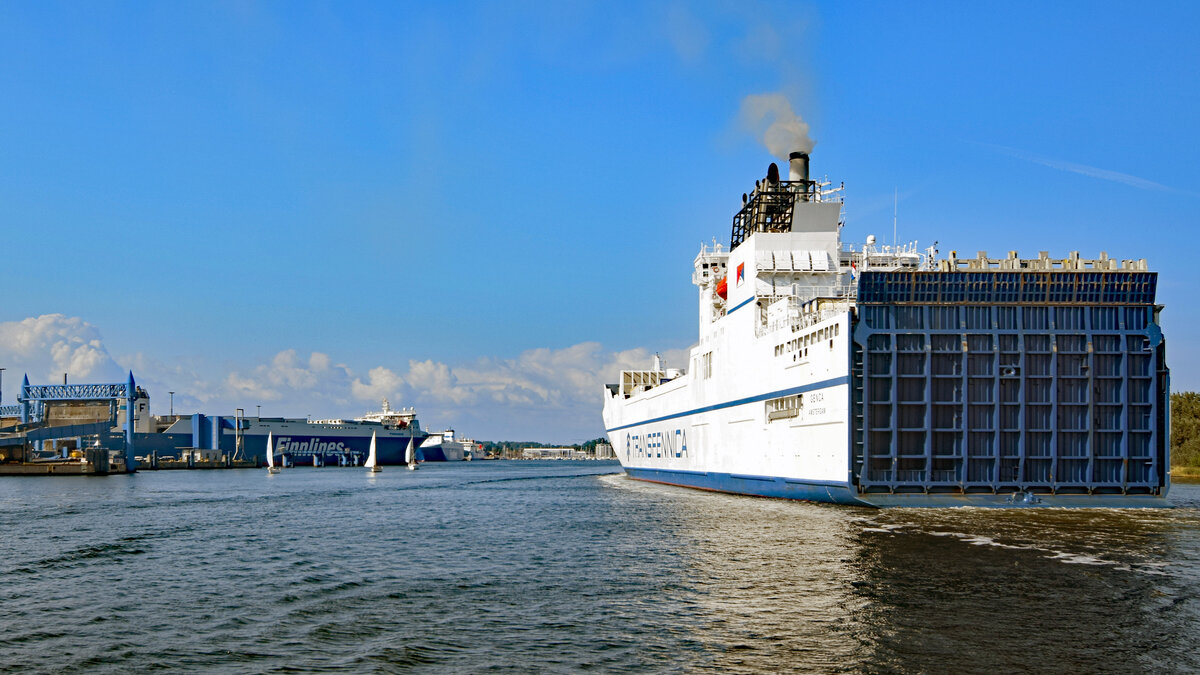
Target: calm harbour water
<point>566,566</point>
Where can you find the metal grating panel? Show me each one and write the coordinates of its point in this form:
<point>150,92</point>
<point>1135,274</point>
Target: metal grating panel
<point>960,394</point>
<point>73,392</point>
<point>1006,288</point>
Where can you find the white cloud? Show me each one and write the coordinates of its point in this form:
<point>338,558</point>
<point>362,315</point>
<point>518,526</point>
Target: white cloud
<point>543,393</point>
<point>188,377</point>
<point>553,394</point>
<point>381,383</point>
<point>540,394</point>
<point>47,346</point>
<point>286,372</point>
<point>314,384</point>
<point>249,387</point>
<point>318,362</point>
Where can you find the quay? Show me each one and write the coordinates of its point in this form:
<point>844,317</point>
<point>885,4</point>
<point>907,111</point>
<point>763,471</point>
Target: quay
<point>81,429</point>
<point>93,430</point>
<point>109,428</point>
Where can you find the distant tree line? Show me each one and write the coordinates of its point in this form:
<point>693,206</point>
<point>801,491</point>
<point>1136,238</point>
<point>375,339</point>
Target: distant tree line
<point>1185,429</point>
<point>501,447</point>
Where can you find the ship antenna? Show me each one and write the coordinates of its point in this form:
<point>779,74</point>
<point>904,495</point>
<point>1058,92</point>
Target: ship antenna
<point>895,212</point>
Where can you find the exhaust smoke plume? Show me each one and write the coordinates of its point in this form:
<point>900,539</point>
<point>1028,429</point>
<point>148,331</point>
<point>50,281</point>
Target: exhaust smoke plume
<point>771,118</point>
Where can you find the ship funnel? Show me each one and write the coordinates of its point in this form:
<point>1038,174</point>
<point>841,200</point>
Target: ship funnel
<point>798,166</point>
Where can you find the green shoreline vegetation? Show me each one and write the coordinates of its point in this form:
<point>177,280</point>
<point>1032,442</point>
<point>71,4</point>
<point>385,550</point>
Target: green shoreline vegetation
<point>513,448</point>
<point>1185,434</point>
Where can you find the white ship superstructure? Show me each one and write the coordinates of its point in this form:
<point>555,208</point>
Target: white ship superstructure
<point>444,446</point>
<point>918,394</point>
<point>385,415</point>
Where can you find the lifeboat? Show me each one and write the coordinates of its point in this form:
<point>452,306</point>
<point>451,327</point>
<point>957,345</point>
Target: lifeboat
<point>723,288</point>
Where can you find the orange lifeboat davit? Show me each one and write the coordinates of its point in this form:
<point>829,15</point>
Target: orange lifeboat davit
<point>723,288</point>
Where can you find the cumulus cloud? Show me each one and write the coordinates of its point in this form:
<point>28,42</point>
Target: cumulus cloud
<point>306,383</point>
<point>249,387</point>
<point>543,393</point>
<point>540,394</point>
<point>188,377</point>
<point>381,383</point>
<point>551,394</point>
<point>549,379</point>
<point>285,371</point>
<point>47,346</point>
<point>318,362</point>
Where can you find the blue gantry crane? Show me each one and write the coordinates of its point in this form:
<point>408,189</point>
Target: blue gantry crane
<point>33,398</point>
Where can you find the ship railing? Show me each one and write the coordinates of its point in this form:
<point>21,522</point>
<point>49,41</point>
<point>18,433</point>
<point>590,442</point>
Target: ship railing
<point>805,320</point>
<point>811,305</point>
<point>715,249</point>
<point>803,293</point>
<point>889,257</point>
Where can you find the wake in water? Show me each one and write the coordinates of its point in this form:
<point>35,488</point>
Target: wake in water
<point>562,566</point>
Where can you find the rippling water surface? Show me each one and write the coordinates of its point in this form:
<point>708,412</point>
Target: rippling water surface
<point>562,567</point>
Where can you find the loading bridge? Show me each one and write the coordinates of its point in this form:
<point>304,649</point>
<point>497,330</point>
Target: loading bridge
<point>1002,380</point>
<point>34,397</point>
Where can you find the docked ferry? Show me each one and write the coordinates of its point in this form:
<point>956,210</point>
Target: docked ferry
<point>306,442</point>
<point>887,376</point>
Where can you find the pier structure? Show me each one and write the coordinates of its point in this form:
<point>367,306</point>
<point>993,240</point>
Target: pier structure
<point>50,412</point>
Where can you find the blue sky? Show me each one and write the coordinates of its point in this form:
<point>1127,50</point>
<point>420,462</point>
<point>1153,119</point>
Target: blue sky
<point>486,209</point>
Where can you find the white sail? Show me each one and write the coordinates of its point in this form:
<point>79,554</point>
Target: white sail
<point>270,450</point>
<point>371,454</point>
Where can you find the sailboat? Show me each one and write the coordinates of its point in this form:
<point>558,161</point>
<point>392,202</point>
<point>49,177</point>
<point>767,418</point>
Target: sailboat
<point>410,456</point>
<point>371,464</point>
<point>271,468</point>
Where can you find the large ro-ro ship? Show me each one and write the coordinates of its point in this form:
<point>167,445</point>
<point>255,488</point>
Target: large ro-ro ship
<point>887,376</point>
<point>320,442</point>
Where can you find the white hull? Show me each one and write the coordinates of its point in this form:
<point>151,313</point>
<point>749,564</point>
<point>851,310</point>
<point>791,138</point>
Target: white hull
<point>720,424</point>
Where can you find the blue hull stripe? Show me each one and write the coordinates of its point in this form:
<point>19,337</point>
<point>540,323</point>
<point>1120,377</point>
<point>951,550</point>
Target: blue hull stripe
<point>740,305</point>
<point>743,401</point>
<point>758,486</point>
<point>844,493</point>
